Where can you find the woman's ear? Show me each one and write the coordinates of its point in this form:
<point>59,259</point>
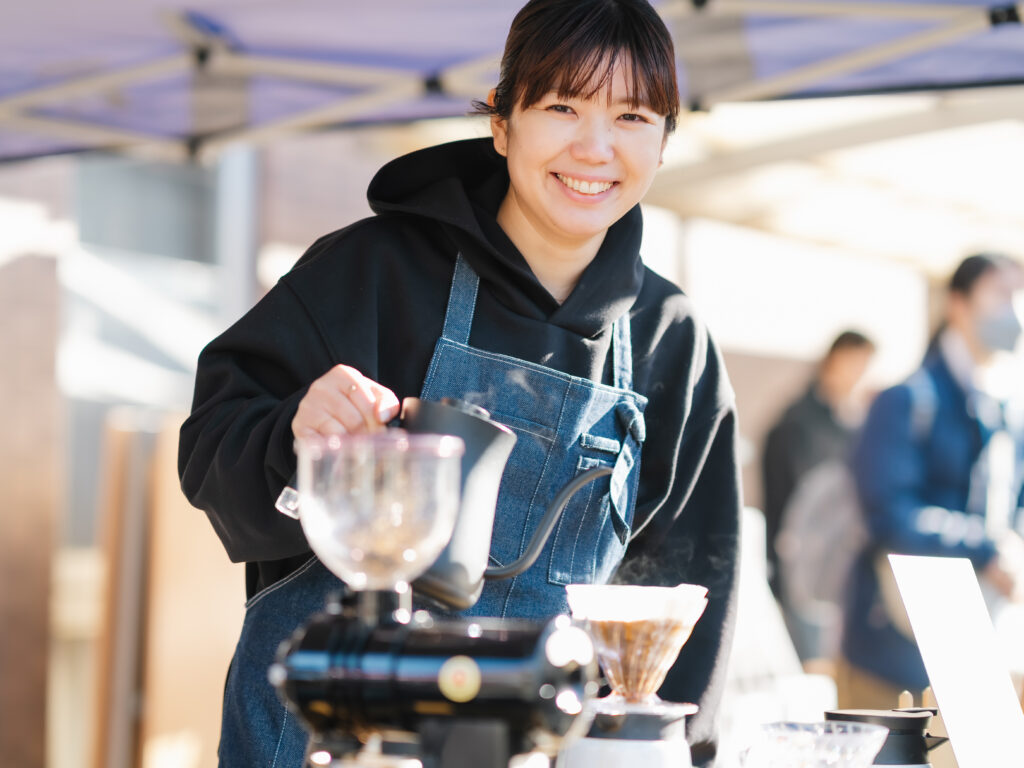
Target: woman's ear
<point>499,128</point>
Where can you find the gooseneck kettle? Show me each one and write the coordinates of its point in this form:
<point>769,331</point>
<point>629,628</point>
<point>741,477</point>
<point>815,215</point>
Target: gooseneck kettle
<point>456,578</point>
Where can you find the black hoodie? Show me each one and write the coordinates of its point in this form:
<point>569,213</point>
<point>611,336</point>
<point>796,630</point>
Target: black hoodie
<point>373,296</point>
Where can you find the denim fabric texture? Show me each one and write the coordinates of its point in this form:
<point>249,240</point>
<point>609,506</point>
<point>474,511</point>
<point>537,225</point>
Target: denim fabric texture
<point>256,728</point>
<point>564,425</point>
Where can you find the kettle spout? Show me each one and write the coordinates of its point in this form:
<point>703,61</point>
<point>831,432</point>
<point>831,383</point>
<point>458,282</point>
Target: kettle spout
<point>931,742</point>
<point>546,526</point>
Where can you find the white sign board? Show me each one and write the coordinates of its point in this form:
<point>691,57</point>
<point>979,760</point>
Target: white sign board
<point>965,663</point>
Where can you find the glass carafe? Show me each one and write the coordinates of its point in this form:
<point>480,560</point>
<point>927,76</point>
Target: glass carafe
<point>378,509</point>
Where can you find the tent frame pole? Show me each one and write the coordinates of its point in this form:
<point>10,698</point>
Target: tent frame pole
<point>170,65</point>
<point>907,11</point>
<point>969,23</point>
<point>403,88</point>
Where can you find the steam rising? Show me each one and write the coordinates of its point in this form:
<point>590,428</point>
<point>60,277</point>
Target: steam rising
<point>514,378</point>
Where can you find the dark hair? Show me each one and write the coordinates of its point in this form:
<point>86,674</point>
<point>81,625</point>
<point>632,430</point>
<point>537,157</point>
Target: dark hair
<point>573,46</point>
<point>849,340</point>
<point>974,266</point>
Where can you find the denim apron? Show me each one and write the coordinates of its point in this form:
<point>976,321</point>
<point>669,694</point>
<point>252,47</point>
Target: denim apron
<point>563,424</point>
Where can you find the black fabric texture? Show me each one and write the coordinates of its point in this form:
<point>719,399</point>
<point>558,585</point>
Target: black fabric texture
<point>373,296</point>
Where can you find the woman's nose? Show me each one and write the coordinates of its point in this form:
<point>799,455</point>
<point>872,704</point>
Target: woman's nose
<point>594,142</point>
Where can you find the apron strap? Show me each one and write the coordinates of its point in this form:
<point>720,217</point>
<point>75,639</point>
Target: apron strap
<point>458,321</point>
<point>458,317</point>
<point>622,353</point>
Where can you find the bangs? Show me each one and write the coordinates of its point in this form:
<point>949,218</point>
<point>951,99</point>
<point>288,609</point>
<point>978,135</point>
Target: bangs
<point>583,74</point>
<point>573,48</point>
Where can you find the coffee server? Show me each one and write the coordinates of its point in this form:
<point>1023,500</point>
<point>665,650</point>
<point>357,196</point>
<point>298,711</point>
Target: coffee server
<point>908,742</point>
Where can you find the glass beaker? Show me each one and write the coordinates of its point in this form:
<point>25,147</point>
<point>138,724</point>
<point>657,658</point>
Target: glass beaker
<point>816,745</point>
<point>378,509</point>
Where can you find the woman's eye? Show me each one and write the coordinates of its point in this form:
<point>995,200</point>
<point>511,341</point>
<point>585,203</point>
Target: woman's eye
<point>564,109</point>
<point>632,117</point>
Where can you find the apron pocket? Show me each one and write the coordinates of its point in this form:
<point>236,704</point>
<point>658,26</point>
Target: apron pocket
<point>519,486</point>
<point>524,428</point>
<point>591,536</point>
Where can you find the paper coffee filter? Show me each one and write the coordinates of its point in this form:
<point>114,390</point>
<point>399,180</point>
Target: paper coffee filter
<point>623,602</point>
<point>638,632</point>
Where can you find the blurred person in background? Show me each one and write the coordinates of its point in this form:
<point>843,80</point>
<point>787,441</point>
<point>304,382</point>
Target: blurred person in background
<point>938,469</point>
<point>817,427</point>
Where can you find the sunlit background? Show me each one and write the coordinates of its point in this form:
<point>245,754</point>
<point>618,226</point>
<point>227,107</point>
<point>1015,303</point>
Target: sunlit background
<point>787,221</point>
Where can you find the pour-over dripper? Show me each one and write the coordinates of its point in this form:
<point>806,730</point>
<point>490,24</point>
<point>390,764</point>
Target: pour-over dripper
<point>638,631</point>
<point>378,509</point>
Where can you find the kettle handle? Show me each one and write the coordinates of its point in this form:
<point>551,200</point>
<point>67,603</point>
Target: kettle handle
<point>547,525</point>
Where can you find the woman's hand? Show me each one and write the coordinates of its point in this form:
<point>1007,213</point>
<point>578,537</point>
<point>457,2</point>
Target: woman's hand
<point>343,401</point>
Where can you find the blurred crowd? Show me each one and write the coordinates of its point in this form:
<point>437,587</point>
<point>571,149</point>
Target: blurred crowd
<point>931,466</point>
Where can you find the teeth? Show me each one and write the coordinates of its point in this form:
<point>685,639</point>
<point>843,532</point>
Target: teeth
<point>585,187</point>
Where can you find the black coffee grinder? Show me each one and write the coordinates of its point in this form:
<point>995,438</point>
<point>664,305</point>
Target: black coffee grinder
<point>376,683</point>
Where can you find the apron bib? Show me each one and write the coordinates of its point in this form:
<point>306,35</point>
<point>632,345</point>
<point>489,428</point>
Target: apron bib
<point>564,425</point>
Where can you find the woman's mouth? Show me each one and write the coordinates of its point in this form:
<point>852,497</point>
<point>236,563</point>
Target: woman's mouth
<point>584,187</point>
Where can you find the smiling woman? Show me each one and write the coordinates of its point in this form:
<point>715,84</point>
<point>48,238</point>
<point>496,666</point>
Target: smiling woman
<point>505,271</point>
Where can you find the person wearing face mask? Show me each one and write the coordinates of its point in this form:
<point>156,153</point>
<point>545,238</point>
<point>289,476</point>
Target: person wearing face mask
<point>505,270</point>
<point>938,468</point>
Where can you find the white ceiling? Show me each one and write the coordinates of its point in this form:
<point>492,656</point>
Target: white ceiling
<point>918,178</point>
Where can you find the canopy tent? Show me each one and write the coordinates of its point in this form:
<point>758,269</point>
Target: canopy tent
<point>179,82</point>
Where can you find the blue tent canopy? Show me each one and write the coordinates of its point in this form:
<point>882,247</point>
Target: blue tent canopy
<point>187,81</point>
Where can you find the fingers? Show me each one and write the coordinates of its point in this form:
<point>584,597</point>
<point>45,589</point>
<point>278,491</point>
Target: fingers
<point>387,405</point>
<point>344,401</point>
<point>360,393</point>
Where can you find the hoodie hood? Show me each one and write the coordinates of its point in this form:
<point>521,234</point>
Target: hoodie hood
<point>460,186</point>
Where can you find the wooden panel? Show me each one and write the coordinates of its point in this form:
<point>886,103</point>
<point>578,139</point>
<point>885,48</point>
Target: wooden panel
<point>123,509</point>
<point>195,605</point>
<point>764,386</point>
<point>30,476</point>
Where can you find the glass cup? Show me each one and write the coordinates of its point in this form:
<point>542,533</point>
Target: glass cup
<point>378,509</point>
<point>816,745</point>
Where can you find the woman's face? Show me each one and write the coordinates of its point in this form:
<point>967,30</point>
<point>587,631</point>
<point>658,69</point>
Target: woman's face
<point>578,165</point>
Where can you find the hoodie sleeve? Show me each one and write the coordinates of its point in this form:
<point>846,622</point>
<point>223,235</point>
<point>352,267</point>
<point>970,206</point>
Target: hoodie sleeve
<point>235,450</point>
<point>694,538</point>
